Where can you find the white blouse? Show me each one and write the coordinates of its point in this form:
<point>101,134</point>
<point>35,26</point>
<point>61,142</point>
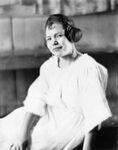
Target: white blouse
<point>70,101</point>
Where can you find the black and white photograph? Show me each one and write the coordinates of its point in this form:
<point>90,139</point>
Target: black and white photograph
<point>58,74</point>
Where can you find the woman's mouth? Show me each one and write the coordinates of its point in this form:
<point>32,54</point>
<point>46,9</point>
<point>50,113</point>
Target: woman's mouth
<point>56,49</point>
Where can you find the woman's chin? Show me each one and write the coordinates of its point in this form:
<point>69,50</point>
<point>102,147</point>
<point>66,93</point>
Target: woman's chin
<point>58,54</point>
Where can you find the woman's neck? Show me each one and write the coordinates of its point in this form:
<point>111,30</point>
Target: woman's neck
<point>65,61</point>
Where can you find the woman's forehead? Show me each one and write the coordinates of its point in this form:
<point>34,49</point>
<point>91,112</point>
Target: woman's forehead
<point>56,27</point>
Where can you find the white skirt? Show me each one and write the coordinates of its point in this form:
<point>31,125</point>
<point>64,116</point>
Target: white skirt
<point>44,135</point>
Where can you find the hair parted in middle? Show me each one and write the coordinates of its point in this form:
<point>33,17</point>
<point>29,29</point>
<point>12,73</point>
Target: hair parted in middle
<point>72,33</point>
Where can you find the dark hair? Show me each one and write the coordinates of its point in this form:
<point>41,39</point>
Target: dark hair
<point>72,33</point>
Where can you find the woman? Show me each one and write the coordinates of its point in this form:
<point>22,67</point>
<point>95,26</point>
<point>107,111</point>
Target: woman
<point>67,101</point>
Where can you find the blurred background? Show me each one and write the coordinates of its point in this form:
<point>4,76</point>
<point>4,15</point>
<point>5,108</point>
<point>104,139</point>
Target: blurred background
<point>22,50</point>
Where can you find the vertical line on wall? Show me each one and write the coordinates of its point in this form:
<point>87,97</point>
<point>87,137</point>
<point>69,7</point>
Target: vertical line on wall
<point>12,37</point>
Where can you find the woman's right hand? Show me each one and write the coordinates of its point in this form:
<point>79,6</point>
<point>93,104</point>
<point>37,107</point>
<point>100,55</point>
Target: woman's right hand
<point>20,139</point>
<point>20,142</point>
<point>18,145</point>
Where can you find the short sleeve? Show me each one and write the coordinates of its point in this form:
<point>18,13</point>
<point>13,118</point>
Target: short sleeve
<point>93,97</point>
<point>35,99</point>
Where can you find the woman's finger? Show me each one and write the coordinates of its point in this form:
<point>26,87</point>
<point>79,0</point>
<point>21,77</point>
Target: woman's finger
<point>10,148</point>
<point>20,147</point>
<point>13,147</point>
<point>16,147</point>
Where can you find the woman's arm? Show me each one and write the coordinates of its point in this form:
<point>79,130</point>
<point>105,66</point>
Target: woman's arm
<point>21,138</point>
<point>89,139</point>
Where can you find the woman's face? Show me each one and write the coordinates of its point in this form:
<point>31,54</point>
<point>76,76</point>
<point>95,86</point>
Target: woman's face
<point>57,42</point>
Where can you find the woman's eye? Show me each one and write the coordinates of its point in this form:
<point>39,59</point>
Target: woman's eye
<point>59,35</point>
<point>48,39</point>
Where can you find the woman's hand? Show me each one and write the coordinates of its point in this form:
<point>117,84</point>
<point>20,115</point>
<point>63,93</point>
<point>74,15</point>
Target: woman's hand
<point>18,145</point>
<point>20,142</point>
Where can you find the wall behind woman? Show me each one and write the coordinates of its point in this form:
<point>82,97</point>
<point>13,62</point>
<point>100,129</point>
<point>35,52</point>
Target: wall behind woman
<point>46,7</point>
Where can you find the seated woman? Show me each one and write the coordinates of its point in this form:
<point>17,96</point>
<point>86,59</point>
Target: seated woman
<point>66,103</point>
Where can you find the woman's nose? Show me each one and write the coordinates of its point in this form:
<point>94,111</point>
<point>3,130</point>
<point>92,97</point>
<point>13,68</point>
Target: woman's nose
<point>55,42</point>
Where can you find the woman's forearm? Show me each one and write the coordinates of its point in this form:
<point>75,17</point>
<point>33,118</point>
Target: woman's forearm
<point>28,122</point>
<point>89,139</point>
<point>20,141</point>
<point>87,142</point>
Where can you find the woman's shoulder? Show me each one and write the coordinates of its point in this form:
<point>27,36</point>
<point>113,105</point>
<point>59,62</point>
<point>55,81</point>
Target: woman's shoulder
<point>87,61</point>
<point>89,64</point>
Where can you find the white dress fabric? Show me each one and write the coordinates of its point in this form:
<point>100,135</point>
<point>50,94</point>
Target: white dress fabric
<point>70,101</point>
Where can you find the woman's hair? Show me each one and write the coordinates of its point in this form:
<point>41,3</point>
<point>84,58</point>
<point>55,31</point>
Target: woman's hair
<point>72,33</point>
